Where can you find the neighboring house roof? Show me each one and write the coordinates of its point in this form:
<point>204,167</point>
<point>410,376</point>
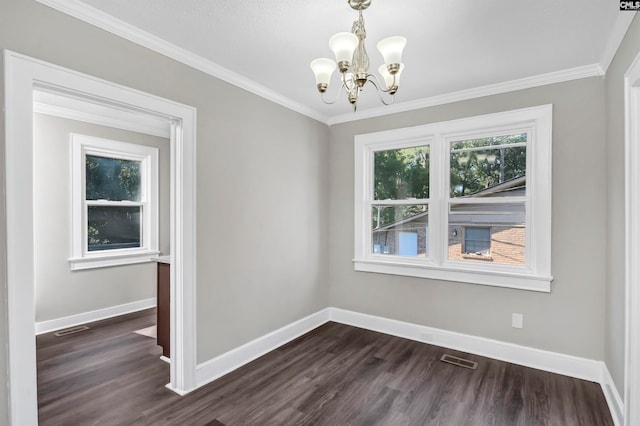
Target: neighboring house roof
<point>481,214</point>
<point>506,188</point>
<point>401,222</point>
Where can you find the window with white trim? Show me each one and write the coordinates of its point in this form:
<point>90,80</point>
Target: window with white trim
<point>114,202</point>
<point>466,200</point>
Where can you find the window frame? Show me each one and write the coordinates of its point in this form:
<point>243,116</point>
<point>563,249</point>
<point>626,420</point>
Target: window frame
<point>535,275</point>
<point>81,257</point>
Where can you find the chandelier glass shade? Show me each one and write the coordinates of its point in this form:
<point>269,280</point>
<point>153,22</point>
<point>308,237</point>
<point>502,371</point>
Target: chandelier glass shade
<point>352,61</point>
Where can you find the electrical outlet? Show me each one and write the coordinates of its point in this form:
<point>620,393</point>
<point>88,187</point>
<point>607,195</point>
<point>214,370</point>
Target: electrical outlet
<point>517,320</point>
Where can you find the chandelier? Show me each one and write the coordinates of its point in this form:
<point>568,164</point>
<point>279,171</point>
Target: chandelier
<point>353,62</point>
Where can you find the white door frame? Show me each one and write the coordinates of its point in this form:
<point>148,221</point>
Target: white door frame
<point>21,75</point>
<point>632,252</point>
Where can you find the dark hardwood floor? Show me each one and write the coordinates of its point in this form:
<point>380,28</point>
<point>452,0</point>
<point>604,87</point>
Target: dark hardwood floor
<point>334,375</point>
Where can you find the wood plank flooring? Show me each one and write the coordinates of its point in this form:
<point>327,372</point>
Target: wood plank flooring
<point>334,375</point>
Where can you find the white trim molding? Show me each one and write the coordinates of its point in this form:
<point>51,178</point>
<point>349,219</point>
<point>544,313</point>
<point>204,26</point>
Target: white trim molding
<point>49,103</point>
<point>91,316</point>
<point>93,16</point>
<point>632,244</point>
<point>100,19</point>
<point>568,365</point>
<point>81,263</point>
<point>611,394</point>
<point>553,362</point>
<point>594,70</point>
<point>22,75</point>
<point>623,20</point>
<point>236,358</point>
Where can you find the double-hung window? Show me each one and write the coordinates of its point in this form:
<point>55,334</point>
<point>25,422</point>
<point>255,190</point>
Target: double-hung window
<point>466,200</point>
<point>115,202</point>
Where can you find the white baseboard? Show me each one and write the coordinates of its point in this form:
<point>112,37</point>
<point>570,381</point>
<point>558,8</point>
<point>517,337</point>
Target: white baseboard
<point>611,394</point>
<point>568,365</point>
<point>100,314</point>
<point>236,358</point>
<point>176,390</point>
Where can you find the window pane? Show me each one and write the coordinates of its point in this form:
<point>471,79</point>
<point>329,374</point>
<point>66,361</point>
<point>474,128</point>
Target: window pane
<point>400,230</point>
<point>401,174</point>
<point>489,167</point>
<point>112,179</point>
<point>493,233</point>
<point>112,227</point>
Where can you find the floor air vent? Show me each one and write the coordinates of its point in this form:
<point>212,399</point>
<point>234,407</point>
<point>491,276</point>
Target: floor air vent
<point>72,330</point>
<point>460,362</point>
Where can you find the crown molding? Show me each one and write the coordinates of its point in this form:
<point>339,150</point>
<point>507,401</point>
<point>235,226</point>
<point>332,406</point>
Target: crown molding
<point>102,20</point>
<point>93,16</point>
<point>593,70</point>
<point>616,36</point>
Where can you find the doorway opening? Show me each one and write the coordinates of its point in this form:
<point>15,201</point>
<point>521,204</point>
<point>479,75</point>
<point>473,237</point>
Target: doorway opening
<point>113,170</point>
<point>23,75</point>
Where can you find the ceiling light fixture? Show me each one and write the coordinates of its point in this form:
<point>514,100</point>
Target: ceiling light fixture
<point>353,62</point>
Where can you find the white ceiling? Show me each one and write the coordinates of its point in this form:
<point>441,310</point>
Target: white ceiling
<point>452,46</point>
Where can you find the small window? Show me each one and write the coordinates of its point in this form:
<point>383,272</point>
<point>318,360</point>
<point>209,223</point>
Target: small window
<point>115,213</point>
<point>477,241</point>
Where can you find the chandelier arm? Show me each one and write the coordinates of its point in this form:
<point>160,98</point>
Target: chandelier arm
<point>345,82</point>
<point>374,80</point>
<point>322,96</point>
<point>381,91</point>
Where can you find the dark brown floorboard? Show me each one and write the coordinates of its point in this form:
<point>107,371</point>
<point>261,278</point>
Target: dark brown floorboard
<point>334,375</point>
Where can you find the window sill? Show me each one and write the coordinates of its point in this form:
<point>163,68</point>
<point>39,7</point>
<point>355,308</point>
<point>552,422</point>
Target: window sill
<point>508,279</point>
<point>106,260</point>
<point>478,257</point>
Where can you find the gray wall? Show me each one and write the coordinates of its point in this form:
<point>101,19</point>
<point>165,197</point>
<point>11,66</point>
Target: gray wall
<point>59,291</point>
<point>615,302</point>
<point>570,319</point>
<point>262,184</point>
